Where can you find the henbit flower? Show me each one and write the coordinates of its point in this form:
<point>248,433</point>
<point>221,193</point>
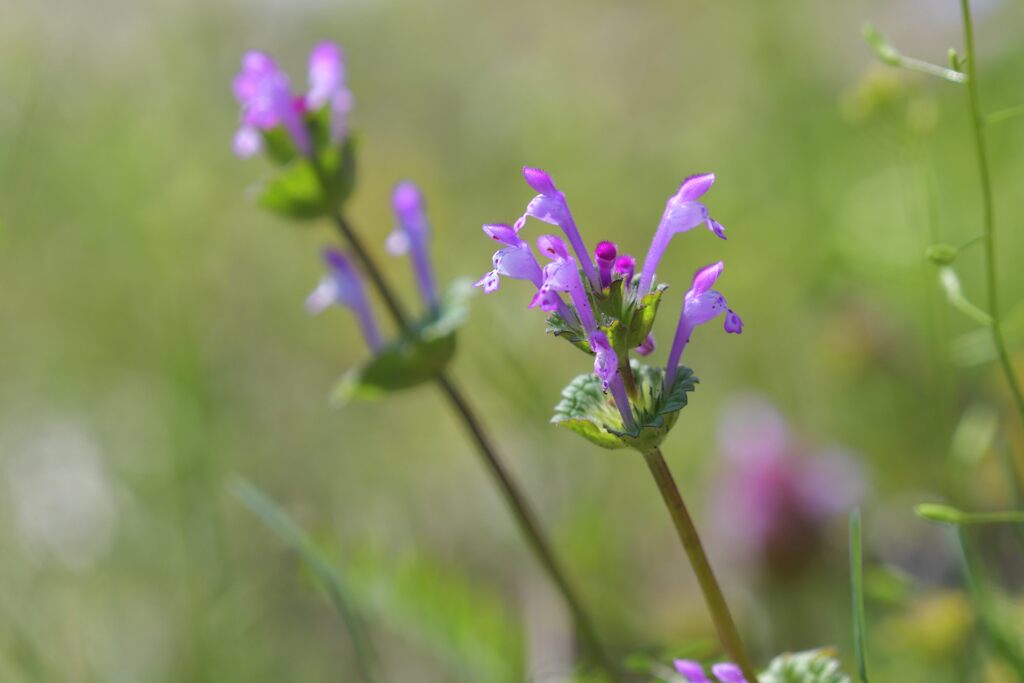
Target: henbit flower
<point>682,213</point>
<point>551,207</point>
<point>604,255</point>
<point>515,260</point>
<point>692,671</point>
<point>647,348</point>
<point>606,367</point>
<point>263,91</point>
<point>701,304</point>
<point>327,86</point>
<point>776,496</point>
<point>625,266</point>
<point>410,235</point>
<point>562,275</point>
<point>728,673</point>
<point>342,286</point>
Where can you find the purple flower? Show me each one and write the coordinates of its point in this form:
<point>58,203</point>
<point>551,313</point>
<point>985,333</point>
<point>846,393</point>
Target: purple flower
<point>692,671</point>
<point>604,255</point>
<point>606,367</point>
<point>624,266</point>
<point>550,207</point>
<point>700,305</point>
<point>410,235</point>
<point>647,348</point>
<point>775,496</point>
<point>515,260</point>
<point>328,87</point>
<point>682,213</point>
<point>728,673</point>
<point>342,286</point>
<point>562,275</point>
<point>264,93</point>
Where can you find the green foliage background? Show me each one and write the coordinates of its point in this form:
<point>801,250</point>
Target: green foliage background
<point>148,304</point>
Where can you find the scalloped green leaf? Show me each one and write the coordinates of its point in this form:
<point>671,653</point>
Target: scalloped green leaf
<point>588,411</point>
<point>418,356</point>
<point>813,666</point>
<point>584,409</point>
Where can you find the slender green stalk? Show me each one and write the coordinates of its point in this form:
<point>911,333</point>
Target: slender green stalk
<point>1001,639</point>
<point>278,520</point>
<point>529,525</point>
<point>724,624</point>
<point>857,590</point>
<point>988,212</point>
<point>1005,114</point>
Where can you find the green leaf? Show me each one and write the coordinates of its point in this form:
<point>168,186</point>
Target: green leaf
<point>271,514</point>
<point>420,355</point>
<point>278,145</point>
<point>813,666</point>
<point>298,191</point>
<point>857,590</point>
<point>588,411</point>
<point>945,514</point>
<point>643,317</point>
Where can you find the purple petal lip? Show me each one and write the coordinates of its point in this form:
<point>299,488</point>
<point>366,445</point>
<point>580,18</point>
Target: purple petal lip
<point>695,186</point>
<point>540,181</point>
<point>733,323</point>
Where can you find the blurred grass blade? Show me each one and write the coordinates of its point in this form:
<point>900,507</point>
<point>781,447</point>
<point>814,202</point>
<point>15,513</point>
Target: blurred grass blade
<point>857,590</point>
<point>278,520</point>
<point>1000,634</point>
<point>893,57</point>
<point>945,514</point>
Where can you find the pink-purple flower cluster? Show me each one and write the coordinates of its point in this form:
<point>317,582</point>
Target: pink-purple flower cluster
<point>586,280</point>
<point>724,672</point>
<point>265,95</point>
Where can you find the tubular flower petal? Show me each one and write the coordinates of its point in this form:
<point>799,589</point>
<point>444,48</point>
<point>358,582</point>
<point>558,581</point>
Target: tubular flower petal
<point>604,255</point>
<point>692,671</point>
<point>328,87</point>
<point>701,304</point>
<point>682,213</point>
<point>551,207</point>
<point>342,286</point>
<point>411,235</point>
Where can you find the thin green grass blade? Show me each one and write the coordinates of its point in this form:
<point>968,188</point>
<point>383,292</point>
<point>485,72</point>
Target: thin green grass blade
<point>857,591</point>
<point>1001,636</point>
<point>271,514</point>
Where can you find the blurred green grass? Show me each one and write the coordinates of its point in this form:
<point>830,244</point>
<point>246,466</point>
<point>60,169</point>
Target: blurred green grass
<point>152,310</point>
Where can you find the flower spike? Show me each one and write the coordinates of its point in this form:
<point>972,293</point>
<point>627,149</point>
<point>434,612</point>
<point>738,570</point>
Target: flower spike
<point>264,93</point>
<point>682,213</point>
<point>551,207</point>
<point>342,286</point>
<point>701,304</point>
<point>410,235</point>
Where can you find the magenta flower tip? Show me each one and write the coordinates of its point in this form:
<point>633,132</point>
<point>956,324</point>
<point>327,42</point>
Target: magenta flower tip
<point>606,251</point>
<point>625,266</point>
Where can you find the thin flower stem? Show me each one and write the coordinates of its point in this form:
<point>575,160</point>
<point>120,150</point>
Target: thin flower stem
<point>517,502</point>
<point>724,624</point>
<point>988,212</point>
